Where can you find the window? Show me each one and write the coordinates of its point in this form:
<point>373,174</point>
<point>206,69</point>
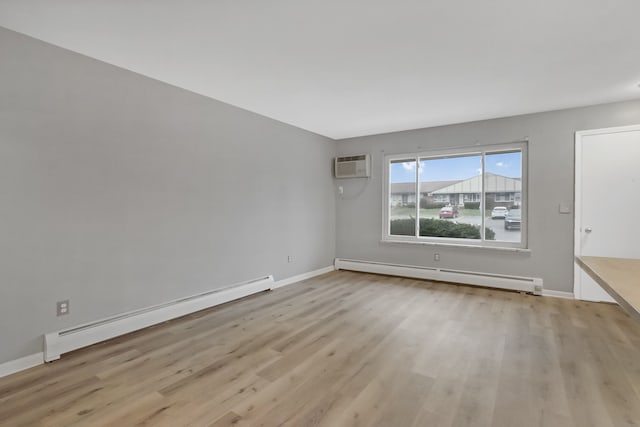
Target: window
<point>505,197</point>
<point>449,197</point>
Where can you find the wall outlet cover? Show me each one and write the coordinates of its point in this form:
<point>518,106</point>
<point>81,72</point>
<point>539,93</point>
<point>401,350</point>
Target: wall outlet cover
<point>62,308</point>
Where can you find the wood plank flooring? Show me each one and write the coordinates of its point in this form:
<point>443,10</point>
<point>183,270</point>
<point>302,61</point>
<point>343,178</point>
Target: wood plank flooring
<point>351,349</point>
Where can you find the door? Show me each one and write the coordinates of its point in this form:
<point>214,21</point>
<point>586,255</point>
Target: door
<point>607,200</point>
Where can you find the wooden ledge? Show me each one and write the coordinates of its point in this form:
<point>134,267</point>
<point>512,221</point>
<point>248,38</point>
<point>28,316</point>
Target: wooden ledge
<point>620,277</point>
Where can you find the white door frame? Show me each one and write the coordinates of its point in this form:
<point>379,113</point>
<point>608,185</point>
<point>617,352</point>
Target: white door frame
<point>577,233</point>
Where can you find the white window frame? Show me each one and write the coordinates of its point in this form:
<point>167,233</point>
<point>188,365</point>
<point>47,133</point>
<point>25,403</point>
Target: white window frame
<point>482,150</point>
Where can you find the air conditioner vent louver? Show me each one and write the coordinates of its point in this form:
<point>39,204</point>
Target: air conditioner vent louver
<point>352,166</point>
<point>352,158</point>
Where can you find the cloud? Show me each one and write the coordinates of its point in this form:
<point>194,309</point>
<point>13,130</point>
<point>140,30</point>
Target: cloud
<point>500,164</point>
<point>411,166</point>
<point>479,170</point>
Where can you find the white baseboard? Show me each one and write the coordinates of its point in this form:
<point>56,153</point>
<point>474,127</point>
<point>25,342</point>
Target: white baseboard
<point>60,342</point>
<point>17,365</point>
<point>557,294</point>
<point>303,276</point>
<point>516,283</point>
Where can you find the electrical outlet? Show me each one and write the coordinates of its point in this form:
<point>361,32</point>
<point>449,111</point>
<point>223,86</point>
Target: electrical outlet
<point>62,308</point>
<point>436,257</point>
<point>289,259</point>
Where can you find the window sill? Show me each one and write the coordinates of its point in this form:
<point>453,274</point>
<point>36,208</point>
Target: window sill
<point>455,245</point>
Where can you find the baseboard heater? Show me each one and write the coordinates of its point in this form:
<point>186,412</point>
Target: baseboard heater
<point>57,343</point>
<point>516,283</point>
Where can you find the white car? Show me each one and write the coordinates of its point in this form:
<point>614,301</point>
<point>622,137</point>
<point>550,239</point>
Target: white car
<point>499,212</point>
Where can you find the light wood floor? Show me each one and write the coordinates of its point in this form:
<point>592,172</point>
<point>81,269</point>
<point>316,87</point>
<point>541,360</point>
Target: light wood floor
<point>352,349</point>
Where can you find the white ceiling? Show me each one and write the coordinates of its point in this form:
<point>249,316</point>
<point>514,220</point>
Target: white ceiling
<point>345,68</point>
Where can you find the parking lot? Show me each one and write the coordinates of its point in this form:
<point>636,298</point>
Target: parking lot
<point>497,225</point>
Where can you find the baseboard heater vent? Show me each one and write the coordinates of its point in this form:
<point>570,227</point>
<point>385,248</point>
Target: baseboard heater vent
<point>57,343</point>
<point>516,283</point>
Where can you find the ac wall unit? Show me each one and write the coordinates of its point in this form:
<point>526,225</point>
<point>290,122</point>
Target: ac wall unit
<point>352,166</point>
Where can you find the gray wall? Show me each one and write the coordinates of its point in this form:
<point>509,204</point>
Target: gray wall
<point>119,192</point>
<point>551,176</point>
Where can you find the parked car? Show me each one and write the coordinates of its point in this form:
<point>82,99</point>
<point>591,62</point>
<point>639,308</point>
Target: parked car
<point>512,219</point>
<point>448,212</point>
<point>499,212</point>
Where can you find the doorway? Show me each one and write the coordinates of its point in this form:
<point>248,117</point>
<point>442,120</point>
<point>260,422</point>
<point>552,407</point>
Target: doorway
<point>607,200</point>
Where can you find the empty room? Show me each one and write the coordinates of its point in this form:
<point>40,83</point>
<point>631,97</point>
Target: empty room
<point>319,213</point>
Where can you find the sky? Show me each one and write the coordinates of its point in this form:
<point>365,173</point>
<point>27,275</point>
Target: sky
<point>458,168</point>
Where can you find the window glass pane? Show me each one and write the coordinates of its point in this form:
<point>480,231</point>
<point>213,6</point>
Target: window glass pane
<point>503,194</point>
<point>450,196</point>
<point>477,197</point>
<point>402,197</point>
